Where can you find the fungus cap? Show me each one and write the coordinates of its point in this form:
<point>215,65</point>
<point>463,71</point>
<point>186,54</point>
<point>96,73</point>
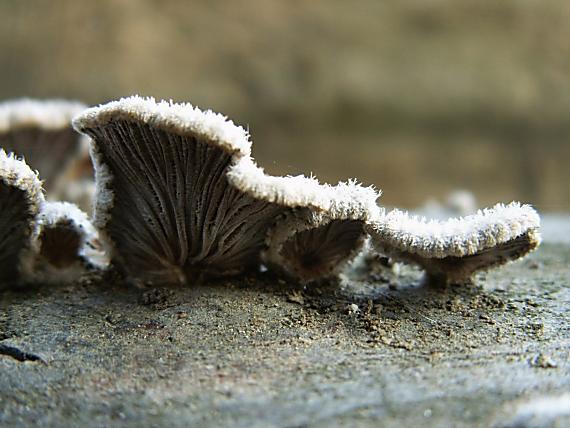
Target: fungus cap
<point>311,246</point>
<point>460,246</point>
<point>45,114</point>
<point>178,195</point>
<point>316,242</point>
<point>163,202</point>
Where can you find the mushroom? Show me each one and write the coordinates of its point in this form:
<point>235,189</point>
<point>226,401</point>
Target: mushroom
<point>20,200</point>
<point>64,245</point>
<point>163,204</point>
<point>41,132</point>
<point>453,250</point>
<point>324,228</point>
<point>178,196</point>
<point>308,245</point>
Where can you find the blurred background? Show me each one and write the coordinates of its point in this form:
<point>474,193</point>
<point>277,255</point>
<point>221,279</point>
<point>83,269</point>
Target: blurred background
<point>419,98</point>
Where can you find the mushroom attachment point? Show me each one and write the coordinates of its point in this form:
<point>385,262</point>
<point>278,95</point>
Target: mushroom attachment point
<point>20,200</point>
<point>454,250</point>
<point>41,133</point>
<point>64,245</point>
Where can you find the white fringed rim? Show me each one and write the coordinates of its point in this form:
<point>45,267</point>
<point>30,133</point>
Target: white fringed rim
<point>45,114</point>
<point>457,237</point>
<point>179,118</point>
<point>345,200</point>
<point>53,213</point>
<point>15,172</point>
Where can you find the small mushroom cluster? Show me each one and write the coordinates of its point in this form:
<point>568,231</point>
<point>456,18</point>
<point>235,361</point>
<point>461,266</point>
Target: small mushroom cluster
<point>178,199</point>
<point>44,241</point>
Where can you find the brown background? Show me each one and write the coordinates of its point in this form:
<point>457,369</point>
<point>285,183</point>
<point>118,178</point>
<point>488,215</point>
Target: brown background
<point>419,97</point>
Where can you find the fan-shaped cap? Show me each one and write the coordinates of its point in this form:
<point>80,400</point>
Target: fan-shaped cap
<point>316,241</point>
<point>41,132</point>
<point>178,193</point>
<point>20,200</point>
<point>163,201</point>
<point>64,244</point>
<point>324,227</point>
<point>455,249</point>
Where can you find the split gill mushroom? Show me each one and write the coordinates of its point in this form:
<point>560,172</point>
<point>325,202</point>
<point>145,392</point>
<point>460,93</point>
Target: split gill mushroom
<point>453,251</point>
<point>179,198</point>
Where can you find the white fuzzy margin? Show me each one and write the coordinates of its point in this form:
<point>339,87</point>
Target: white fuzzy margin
<point>456,237</point>
<point>344,200</point>
<point>103,196</point>
<point>53,213</point>
<point>46,114</point>
<point>15,172</point>
<point>178,118</point>
<point>36,270</point>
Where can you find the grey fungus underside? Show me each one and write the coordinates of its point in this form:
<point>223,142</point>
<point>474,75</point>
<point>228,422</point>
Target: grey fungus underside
<point>321,252</point>
<point>16,227</point>
<point>175,217</point>
<point>307,247</point>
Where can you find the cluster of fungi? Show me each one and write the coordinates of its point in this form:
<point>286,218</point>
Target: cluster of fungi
<point>176,198</point>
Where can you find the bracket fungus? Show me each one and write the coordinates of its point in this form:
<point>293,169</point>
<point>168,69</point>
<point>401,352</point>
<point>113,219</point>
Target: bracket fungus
<point>308,245</point>
<point>321,227</point>
<point>318,240</point>
<point>178,196</point>
<point>41,132</point>
<point>21,198</point>
<point>453,250</point>
<point>163,203</point>
<point>64,245</point>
